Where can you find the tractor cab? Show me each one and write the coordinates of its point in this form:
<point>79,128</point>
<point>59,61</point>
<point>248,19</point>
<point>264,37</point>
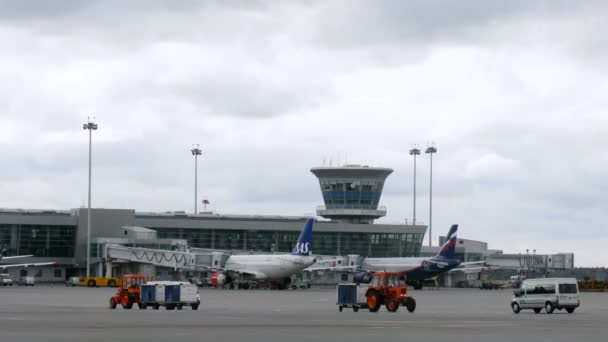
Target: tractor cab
<point>132,281</point>
<point>389,288</point>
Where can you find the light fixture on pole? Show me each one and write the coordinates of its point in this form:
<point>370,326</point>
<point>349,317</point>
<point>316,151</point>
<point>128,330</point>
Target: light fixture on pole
<point>205,202</point>
<point>90,126</point>
<point>196,151</point>
<point>431,150</point>
<point>414,152</point>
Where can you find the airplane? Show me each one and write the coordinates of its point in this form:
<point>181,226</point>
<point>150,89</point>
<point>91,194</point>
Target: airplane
<point>416,270</point>
<point>5,266</point>
<point>275,269</point>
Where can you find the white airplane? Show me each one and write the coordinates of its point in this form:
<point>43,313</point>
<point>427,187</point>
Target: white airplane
<point>416,270</point>
<point>5,266</point>
<point>275,269</point>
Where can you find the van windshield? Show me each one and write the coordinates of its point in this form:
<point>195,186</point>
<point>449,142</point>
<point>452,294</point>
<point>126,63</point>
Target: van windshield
<point>567,288</point>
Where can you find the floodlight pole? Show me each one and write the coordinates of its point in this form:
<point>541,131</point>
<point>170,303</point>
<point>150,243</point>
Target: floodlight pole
<point>196,151</point>
<point>90,126</point>
<point>431,150</point>
<point>414,152</point>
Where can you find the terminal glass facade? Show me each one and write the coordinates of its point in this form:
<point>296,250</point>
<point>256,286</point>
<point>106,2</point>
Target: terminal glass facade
<point>351,193</point>
<point>38,240</point>
<point>323,243</point>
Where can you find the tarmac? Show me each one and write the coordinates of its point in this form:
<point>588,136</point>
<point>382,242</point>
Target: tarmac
<point>59,313</point>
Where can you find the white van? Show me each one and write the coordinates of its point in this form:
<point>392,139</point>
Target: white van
<point>547,293</point>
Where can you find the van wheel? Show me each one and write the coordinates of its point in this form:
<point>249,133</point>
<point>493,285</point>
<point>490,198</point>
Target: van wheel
<point>549,307</point>
<point>536,310</point>
<point>516,308</point>
<point>570,310</point>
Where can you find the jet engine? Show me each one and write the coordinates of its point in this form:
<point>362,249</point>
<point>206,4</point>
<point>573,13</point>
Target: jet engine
<point>362,277</point>
<point>219,279</point>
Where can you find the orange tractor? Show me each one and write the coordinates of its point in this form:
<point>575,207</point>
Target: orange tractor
<point>388,288</point>
<point>129,293</point>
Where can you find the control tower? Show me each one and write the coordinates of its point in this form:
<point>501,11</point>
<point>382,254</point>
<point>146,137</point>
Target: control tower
<point>351,192</point>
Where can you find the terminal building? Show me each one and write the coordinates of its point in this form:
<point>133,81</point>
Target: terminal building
<point>351,197</point>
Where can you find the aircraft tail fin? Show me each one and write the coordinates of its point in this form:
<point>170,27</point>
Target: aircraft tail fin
<point>448,249</point>
<point>302,247</point>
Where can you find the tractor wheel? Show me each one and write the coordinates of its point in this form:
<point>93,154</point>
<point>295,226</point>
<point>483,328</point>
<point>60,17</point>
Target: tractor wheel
<point>92,283</point>
<point>374,300</point>
<point>410,304</point>
<point>111,283</point>
<point>392,305</point>
<point>112,303</point>
<point>127,302</point>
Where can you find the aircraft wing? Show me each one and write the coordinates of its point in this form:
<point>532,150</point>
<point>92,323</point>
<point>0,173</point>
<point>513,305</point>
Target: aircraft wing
<point>27,265</point>
<point>14,257</point>
<point>472,263</point>
<point>471,269</point>
<point>332,268</point>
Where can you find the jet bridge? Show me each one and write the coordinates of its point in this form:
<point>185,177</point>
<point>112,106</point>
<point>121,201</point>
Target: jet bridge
<point>177,260</point>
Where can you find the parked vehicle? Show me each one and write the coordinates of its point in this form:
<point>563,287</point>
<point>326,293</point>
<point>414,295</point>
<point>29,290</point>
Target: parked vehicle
<point>129,292</point>
<point>28,281</point>
<point>350,295</point>
<point>72,281</point>
<point>99,281</point>
<point>5,280</point>
<point>547,293</point>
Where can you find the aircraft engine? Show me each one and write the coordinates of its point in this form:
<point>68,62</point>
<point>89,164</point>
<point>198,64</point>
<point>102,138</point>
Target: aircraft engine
<point>362,277</point>
<point>218,279</point>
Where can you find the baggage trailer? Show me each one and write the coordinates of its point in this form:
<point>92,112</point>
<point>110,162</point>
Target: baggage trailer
<point>351,295</point>
<point>148,297</point>
<point>170,294</point>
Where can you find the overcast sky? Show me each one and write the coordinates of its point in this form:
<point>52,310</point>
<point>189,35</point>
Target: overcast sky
<point>513,93</point>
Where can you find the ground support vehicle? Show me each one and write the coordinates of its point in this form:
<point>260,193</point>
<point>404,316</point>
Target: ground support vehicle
<point>129,293</point>
<point>351,295</point>
<point>28,281</point>
<point>5,280</point>
<point>548,294</point>
<point>389,289</point>
<point>72,281</point>
<point>99,281</point>
<point>170,294</point>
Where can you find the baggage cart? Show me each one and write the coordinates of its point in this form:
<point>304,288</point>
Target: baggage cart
<point>351,295</point>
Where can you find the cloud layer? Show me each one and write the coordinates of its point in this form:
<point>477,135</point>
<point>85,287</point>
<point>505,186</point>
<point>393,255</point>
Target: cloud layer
<point>512,94</point>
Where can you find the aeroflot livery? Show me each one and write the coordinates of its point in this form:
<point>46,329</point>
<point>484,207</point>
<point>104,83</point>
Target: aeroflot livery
<point>416,269</point>
<point>272,268</point>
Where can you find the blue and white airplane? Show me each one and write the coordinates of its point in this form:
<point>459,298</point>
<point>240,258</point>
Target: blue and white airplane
<point>416,270</point>
<point>269,268</point>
